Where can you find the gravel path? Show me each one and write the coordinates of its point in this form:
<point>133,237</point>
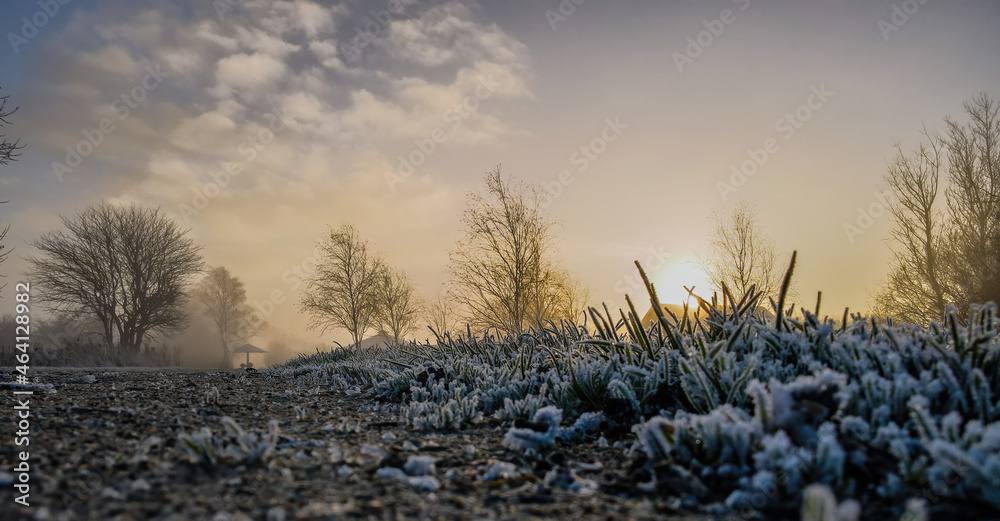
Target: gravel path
<point>105,445</point>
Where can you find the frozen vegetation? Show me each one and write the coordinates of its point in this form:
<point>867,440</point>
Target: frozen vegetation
<point>730,412</point>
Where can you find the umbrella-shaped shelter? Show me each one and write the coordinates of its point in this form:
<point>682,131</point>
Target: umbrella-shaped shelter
<point>248,348</point>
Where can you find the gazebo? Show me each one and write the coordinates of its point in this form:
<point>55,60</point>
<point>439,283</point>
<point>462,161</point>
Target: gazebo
<point>248,348</point>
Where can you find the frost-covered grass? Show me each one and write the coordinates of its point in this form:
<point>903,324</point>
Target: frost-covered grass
<point>730,407</point>
<point>236,445</point>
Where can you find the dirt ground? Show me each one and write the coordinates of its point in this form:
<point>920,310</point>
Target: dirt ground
<point>105,445</point>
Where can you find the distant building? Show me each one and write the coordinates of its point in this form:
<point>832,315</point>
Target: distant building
<point>376,340</point>
<point>650,317</point>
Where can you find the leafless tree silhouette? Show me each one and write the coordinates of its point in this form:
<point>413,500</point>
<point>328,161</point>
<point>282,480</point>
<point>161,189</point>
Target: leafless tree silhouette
<point>343,292</point>
<point>503,274</point>
<point>126,265</point>
<point>946,254</point>
<point>740,255</point>
<point>223,296</point>
<point>9,150</point>
<point>442,316</point>
<point>917,286</point>
<point>397,309</point>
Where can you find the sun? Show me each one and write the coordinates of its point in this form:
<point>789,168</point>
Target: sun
<point>671,279</point>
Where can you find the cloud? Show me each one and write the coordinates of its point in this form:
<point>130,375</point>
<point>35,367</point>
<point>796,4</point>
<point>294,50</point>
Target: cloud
<point>248,71</point>
<point>342,126</point>
<point>256,40</point>
<point>327,53</point>
<point>445,34</point>
<point>198,133</point>
<point>314,19</point>
<point>209,32</point>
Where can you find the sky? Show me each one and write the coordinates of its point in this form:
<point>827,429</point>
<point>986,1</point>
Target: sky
<point>260,124</point>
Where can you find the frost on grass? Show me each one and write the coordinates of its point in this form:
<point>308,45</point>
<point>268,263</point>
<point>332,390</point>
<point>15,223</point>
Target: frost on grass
<point>545,428</point>
<point>539,433</point>
<point>819,504</point>
<point>500,470</point>
<point>419,466</point>
<point>423,483</point>
<point>235,446</point>
<point>732,408</point>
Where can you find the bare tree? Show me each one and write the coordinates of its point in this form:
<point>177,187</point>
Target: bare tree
<point>397,308</point>
<point>442,316</point>
<point>502,274</point>
<point>343,292</point>
<point>126,265</point>
<point>8,149</point>
<point>740,255</point>
<point>223,296</point>
<point>916,288</point>
<point>563,297</point>
<point>974,202</point>
<point>947,257</point>
<point>8,152</point>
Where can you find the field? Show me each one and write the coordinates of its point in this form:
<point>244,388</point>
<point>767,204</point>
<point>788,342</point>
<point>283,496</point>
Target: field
<point>733,415</point>
<point>111,449</point>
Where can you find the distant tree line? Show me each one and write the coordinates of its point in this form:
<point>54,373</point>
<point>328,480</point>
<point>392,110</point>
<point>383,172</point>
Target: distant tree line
<point>129,271</point>
<point>128,268</point>
<point>504,275</point>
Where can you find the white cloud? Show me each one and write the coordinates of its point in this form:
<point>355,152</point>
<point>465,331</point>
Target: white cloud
<point>304,107</point>
<point>261,41</point>
<point>113,60</point>
<point>208,31</point>
<point>248,71</point>
<point>312,18</point>
<point>201,132</point>
<point>445,34</point>
<point>327,53</point>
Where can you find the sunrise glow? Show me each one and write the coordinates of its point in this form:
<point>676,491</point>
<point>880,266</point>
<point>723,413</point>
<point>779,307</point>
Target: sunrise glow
<point>672,278</point>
